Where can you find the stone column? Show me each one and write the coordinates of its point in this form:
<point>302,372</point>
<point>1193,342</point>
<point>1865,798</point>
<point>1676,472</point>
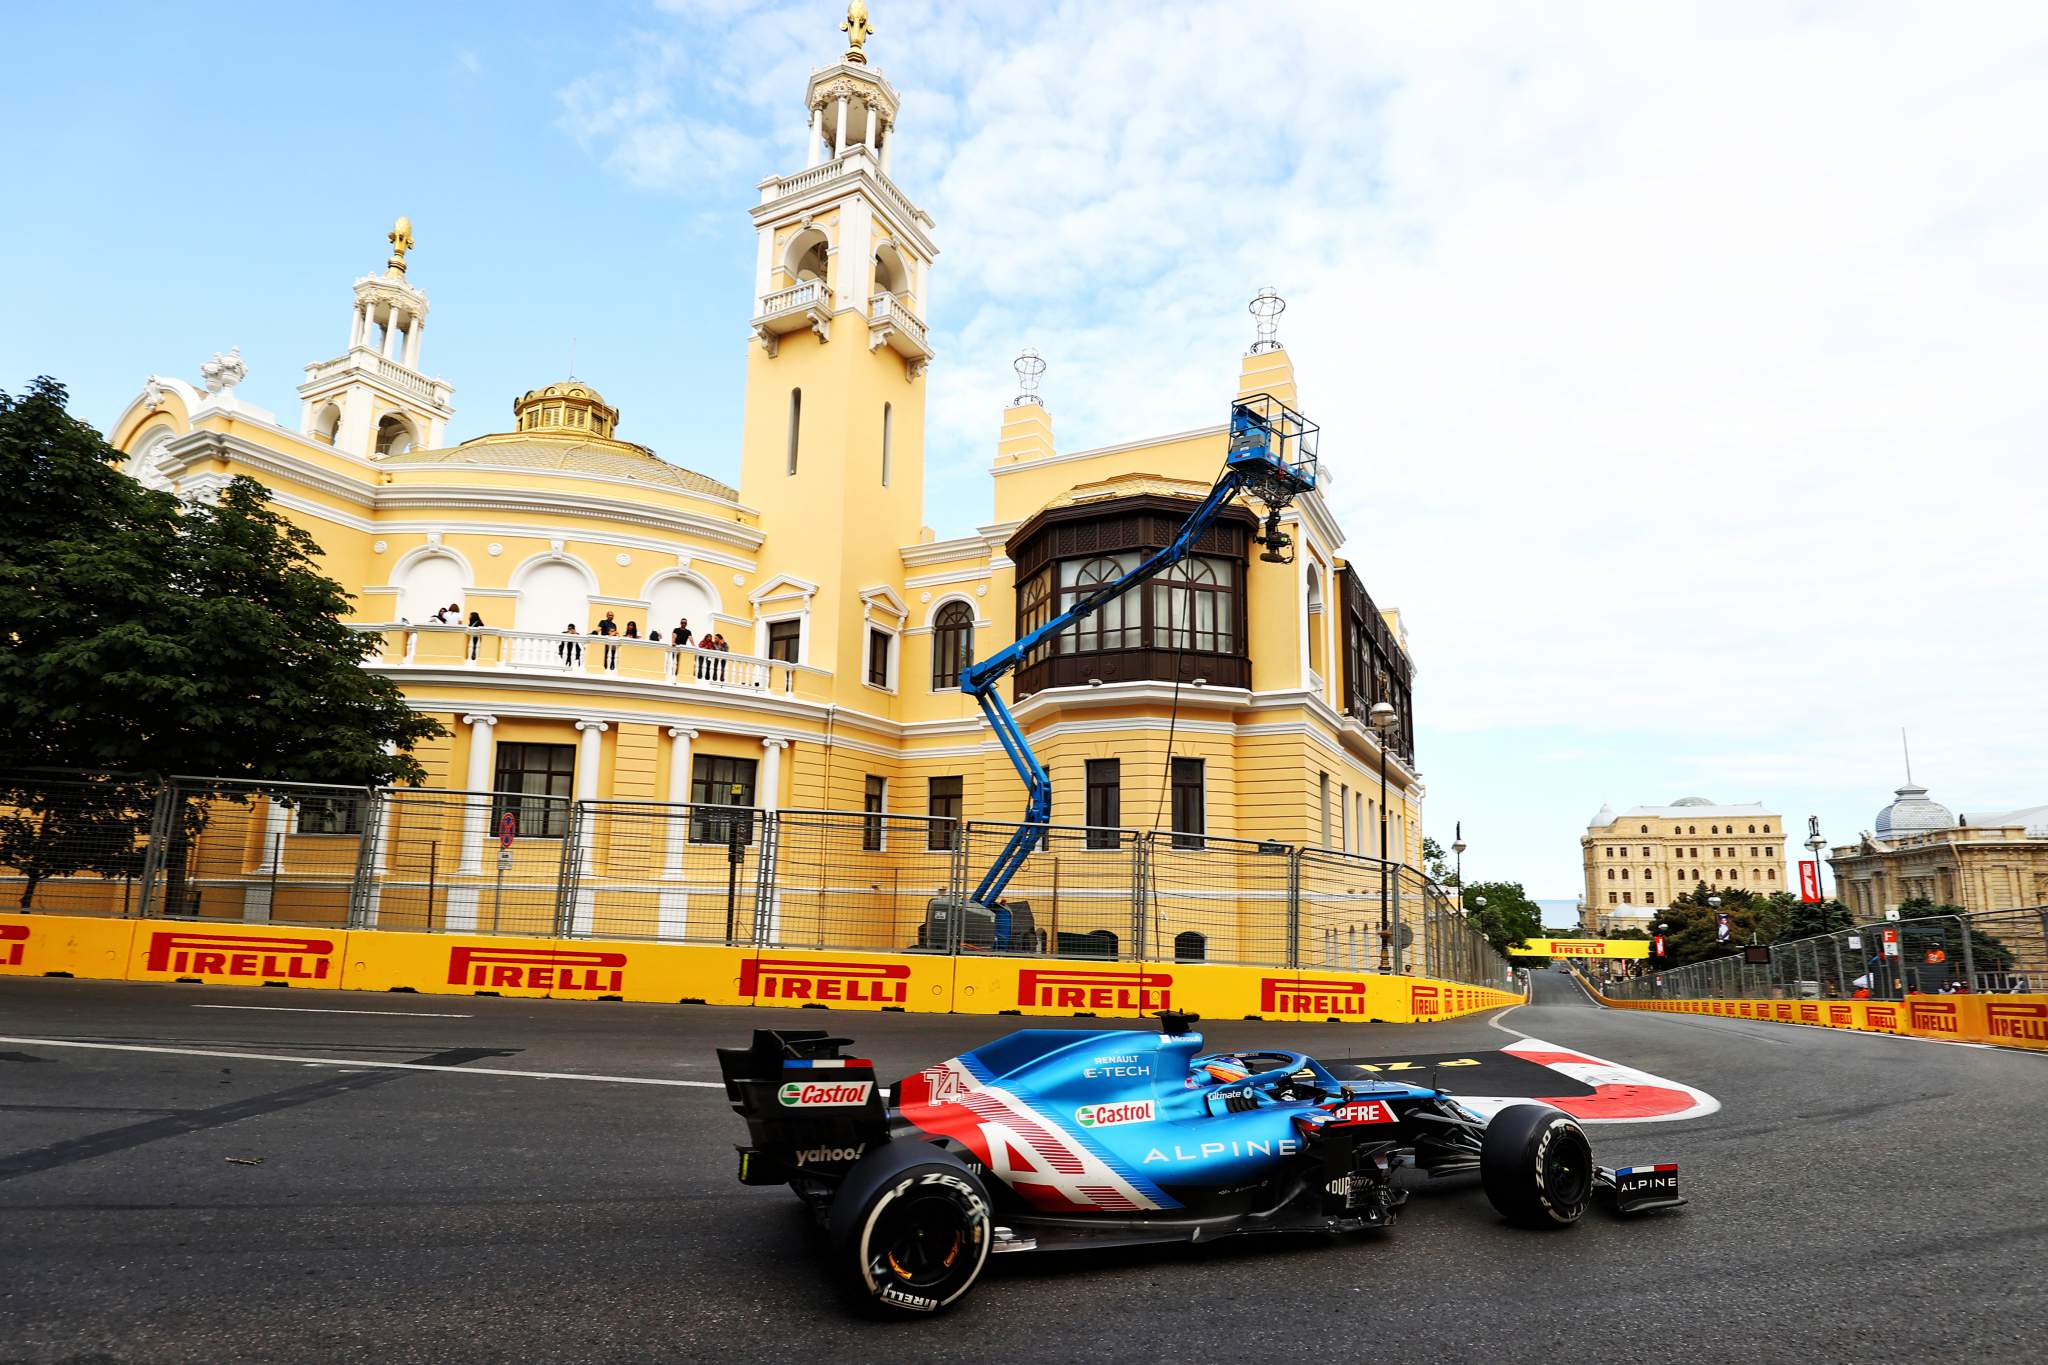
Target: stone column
<point>460,902</point>
<point>888,140</point>
<point>391,336</point>
<point>589,747</point>
<point>359,327</point>
<point>673,904</point>
<point>766,798</point>
<point>412,342</point>
<point>839,132</point>
<point>817,134</point>
<point>256,897</point>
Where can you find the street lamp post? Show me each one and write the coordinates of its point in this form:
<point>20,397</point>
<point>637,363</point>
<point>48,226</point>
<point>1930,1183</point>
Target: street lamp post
<point>1458,847</point>
<point>1385,719</point>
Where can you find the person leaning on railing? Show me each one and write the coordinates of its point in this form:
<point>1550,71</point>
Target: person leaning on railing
<point>476,623</point>
<point>570,650</point>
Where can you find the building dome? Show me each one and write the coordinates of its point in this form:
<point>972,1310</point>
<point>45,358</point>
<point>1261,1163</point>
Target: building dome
<point>1692,801</point>
<point>570,408</point>
<point>1602,817</point>
<point>1913,813</point>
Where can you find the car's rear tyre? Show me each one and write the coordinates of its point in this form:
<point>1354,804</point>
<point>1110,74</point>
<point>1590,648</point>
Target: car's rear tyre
<point>909,1232</point>
<point>1537,1166</point>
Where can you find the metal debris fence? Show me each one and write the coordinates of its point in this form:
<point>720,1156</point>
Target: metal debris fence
<point>479,862</point>
<point>1989,952</point>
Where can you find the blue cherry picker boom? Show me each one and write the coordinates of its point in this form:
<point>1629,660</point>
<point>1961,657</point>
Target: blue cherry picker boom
<point>1270,458</point>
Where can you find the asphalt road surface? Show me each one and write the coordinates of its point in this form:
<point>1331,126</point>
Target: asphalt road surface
<point>1855,1197</point>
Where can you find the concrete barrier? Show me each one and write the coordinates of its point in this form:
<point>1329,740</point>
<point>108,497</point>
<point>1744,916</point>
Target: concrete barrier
<point>219,954</point>
<point>2004,1020</point>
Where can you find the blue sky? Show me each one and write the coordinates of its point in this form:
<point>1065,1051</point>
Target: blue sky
<point>1679,366</point>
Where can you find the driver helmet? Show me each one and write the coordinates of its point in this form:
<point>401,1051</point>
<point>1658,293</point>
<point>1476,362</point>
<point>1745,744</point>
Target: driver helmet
<point>1224,1068</point>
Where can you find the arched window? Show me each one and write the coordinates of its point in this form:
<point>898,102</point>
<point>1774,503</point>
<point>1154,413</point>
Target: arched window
<point>1115,626</point>
<point>1752,829</point>
<point>1767,829</point>
<point>1692,829</point>
<point>807,256</point>
<point>1190,946</point>
<point>887,422</point>
<point>796,417</point>
<point>394,436</point>
<point>1192,606</point>
<point>1646,829</point>
<point>1610,874</point>
<point>1716,829</point>
<point>952,644</point>
<point>327,425</point>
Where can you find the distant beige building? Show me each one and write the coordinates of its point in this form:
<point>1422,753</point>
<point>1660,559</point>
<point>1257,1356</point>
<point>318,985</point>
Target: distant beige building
<point>1646,856</point>
<point>1992,860</point>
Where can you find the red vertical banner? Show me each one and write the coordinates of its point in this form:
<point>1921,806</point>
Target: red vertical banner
<point>1809,881</point>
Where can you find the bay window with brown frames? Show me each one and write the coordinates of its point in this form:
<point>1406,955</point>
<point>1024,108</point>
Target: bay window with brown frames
<point>1189,622</point>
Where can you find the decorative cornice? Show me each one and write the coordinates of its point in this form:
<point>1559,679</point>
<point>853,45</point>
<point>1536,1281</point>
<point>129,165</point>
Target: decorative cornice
<point>1118,449</point>
<point>599,509</point>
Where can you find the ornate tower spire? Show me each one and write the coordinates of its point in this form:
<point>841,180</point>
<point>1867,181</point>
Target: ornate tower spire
<point>400,238</point>
<point>857,30</point>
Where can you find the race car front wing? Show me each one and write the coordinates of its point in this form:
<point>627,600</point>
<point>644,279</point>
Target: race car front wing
<point>1640,1189</point>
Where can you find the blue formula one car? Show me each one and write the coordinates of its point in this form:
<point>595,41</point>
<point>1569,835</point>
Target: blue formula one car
<point>1059,1138</point>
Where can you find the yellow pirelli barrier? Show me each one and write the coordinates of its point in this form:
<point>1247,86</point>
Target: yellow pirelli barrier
<point>216,954</point>
<point>1064,987</point>
<point>236,954</point>
<point>2004,1020</point>
<point>65,945</point>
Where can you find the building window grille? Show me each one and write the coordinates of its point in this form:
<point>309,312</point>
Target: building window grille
<point>874,801</point>
<point>1105,801</point>
<point>1190,821</point>
<point>716,780</point>
<point>785,638</point>
<point>533,783</point>
<point>878,657</point>
<point>942,803</point>
<point>952,644</point>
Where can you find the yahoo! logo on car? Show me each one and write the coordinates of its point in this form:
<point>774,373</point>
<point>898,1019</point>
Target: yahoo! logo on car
<point>1110,1115</point>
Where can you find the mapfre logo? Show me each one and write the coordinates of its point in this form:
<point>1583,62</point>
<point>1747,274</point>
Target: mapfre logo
<point>1302,995</point>
<point>1137,991</point>
<point>824,981</point>
<point>1936,1016</point>
<point>257,957</point>
<point>1110,1115</point>
<point>1366,1111</point>
<point>2027,1023</point>
<point>1424,999</point>
<point>13,944</point>
<point>537,969</point>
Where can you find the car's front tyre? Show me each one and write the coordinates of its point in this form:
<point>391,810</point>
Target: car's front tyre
<point>1537,1166</point>
<point>910,1230</point>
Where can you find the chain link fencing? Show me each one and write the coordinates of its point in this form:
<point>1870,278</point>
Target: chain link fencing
<point>1989,952</point>
<point>441,861</point>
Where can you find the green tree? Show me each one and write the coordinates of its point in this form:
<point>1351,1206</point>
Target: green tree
<point>1437,863</point>
<point>1987,954</point>
<point>139,634</point>
<point>1509,916</point>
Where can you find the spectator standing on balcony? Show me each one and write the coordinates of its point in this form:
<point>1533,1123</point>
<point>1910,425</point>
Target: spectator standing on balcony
<point>715,643</point>
<point>681,634</point>
<point>632,630</point>
<point>476,623</point>
<point>570,650</point>
<point>609,627</point>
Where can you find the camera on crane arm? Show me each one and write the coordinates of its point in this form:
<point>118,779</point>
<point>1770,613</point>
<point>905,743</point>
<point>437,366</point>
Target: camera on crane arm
<point>1273,451</point>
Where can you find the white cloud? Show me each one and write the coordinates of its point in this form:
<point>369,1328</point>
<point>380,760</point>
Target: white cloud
<point>1679,367</point>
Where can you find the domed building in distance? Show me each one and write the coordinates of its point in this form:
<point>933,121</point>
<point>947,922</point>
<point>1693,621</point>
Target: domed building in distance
<point>1647,856</point>
<point>1917,848</point>
<point>844,620</point>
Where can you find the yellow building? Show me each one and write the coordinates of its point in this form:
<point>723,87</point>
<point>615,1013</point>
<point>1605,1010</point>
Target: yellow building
<point>845,619</point>
<point>1984,860</point>
<point>1647,856</point>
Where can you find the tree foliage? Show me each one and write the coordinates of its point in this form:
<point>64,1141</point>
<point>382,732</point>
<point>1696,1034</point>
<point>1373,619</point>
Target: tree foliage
<point>1509,916</point>
<point>143,635</point>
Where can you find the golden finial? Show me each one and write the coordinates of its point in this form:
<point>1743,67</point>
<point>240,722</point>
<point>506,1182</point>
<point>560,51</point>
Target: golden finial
<point>857,30</point>
<point>400,238</point>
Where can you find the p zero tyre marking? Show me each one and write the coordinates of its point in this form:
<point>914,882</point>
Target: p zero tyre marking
<point>976,1209</point>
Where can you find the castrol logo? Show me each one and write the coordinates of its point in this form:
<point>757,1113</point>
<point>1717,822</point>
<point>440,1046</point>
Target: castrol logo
<point>1109,1115</point>
<point>823,1094</point>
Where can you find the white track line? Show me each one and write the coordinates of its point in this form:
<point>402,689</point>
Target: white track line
<point>308,1009</point>
<point>378,1066</point>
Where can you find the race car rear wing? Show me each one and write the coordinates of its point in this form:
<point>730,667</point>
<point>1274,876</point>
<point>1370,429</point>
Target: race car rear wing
<point>810,1112</point>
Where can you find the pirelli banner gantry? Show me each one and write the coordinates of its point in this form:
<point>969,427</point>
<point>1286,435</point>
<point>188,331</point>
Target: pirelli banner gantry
<point>1582,947</point>
<point>225,953</point>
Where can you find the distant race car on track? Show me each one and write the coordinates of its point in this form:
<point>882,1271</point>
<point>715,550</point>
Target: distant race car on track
<point>1054,1139</point>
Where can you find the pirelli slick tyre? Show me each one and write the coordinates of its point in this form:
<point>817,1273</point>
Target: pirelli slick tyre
<point>1537,1166</point>
<point>909,1231</point>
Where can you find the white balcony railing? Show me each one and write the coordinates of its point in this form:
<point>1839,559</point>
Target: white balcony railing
<point>887,310</point>
<point>540,654</point>
<point>803,294</point>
